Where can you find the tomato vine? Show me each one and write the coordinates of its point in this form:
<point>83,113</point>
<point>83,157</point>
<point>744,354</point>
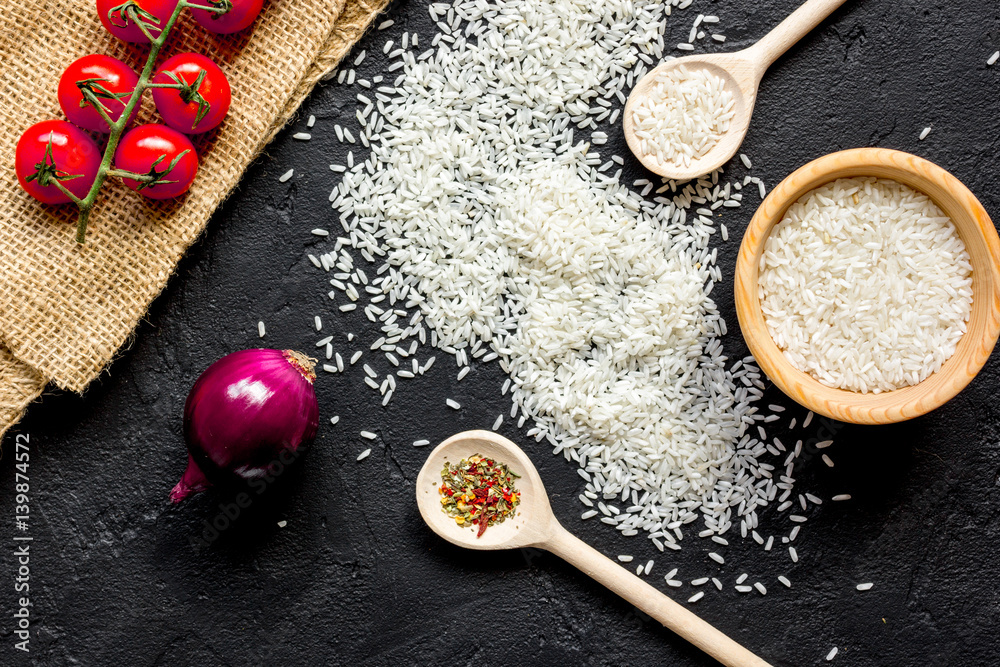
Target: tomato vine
<point>130,11</point>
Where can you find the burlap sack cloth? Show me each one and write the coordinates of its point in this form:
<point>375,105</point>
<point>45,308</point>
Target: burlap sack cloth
<point>66,309</point>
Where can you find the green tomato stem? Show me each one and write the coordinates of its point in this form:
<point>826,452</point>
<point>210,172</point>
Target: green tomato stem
<point>95,102</point>
<point>63,189</point>
<point>121,173</point>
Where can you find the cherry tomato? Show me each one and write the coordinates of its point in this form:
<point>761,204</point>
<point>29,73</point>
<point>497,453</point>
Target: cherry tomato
<point>56,150</point>
<point>122,22</point>
<point>110,80</point>
<point>161,152</point>
<point>203,101</point>
<point>240,15</point>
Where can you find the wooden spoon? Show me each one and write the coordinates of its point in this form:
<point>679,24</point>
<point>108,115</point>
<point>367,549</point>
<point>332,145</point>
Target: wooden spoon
<point>742,72</point>
<point>534,525</point>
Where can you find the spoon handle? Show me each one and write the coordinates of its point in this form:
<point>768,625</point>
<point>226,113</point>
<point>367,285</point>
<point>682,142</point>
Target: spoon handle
<point>619,580</point>
<point>792,29</point>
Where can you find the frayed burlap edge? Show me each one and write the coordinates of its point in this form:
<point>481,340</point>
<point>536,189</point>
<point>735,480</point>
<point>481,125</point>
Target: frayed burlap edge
<point>20,384</point>
<point>351,24</point>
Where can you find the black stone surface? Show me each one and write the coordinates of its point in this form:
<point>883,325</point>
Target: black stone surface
<point>355,576</point>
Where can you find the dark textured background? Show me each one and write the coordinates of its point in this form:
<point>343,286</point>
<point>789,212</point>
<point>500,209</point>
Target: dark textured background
<point>356,577</point>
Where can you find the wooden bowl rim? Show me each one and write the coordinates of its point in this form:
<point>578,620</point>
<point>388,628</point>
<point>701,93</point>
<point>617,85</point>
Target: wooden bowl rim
<point>974,227</point>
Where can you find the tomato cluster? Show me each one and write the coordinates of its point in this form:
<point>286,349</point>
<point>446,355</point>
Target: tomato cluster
<point>57,161</point>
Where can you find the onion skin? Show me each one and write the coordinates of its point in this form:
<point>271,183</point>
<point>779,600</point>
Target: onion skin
<point>193,481</point>
<point>246,410</point>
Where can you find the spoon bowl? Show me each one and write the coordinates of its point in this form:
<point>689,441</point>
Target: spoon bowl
<point>741,71</point>
<point>530,524</point>
<point>534,525</point>
<point>741,75</point>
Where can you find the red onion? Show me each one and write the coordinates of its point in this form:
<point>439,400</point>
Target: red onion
<point>247,412</point>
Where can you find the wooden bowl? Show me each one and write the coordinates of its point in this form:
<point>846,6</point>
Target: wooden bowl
<point>974,227</point>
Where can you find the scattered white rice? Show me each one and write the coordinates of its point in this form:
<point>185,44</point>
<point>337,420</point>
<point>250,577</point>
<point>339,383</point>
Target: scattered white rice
<point>993,59</point>
<point>285,176</point>
<point>783,579</point>
<point>832,654</point>
<point>368,435</point>
<point>865,587</point>
<point>842,496</point>
<point>516,241</point>
<point>453,404</point>
<point>696,596</point>
<point>926,131</point>
<point>261,329</point>
<point>683,115</point>
<point>624,559</point>
<point>302,136</point>
<point>866,285</point>
<point>363,455</point>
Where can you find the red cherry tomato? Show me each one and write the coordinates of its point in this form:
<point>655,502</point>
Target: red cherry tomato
<point>203,101</point>
<point>110,80</point>
<point>161,152</point>
<point>55,150</point>
<point>240,15</point>
<point>124,15</point>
